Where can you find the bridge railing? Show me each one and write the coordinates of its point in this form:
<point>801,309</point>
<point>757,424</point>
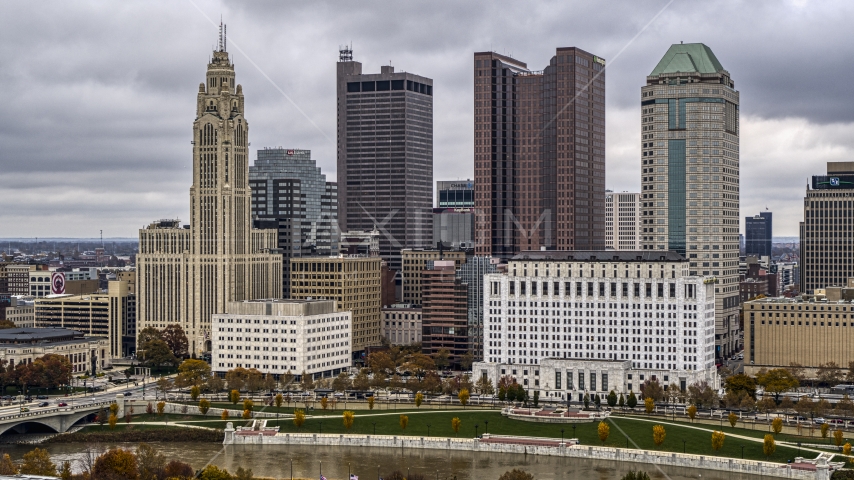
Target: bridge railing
<point>53,410</point>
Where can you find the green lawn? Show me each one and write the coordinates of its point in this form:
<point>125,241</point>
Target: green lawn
<point>639,432</point>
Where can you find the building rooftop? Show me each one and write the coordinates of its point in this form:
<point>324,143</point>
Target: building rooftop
<point>31,335</point>
<point>600,256</point>
<point>688,58</point>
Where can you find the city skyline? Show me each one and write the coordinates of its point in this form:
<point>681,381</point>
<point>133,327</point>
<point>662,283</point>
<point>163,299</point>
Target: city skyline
<point>132,109</point>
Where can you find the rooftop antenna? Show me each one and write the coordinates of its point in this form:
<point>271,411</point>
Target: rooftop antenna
<point>102,238</point>
<point>345,53</point>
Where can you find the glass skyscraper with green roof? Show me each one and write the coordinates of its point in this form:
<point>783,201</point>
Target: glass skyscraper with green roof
<point>690,175</point>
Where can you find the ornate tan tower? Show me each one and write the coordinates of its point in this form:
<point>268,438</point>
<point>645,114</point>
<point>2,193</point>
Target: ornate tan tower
<point>186,274</point>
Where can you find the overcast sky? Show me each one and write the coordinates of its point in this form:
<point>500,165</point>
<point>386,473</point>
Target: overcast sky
<point>99,97</point>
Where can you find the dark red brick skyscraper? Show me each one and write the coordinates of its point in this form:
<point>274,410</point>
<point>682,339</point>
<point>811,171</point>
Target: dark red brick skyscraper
<point>539,153</point>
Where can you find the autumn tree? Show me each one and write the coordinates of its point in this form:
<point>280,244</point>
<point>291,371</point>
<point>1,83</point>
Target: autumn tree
<point>7,466</point>
<point>361,381</point>
<point>146,335</point>
<point>65,471</point>
<point>177,469</point>
<point>717,440</point>
<point>194,393</point>
<point>658,435</point>
<point>516,474</point>
<point>342,382</point>
<point>652,389</point>
<point>419,398</point>
<point>603,430</point>
<point>150,462</point>
<point>692,412</point>
<point>37,462</point>
<point>838,437</point>
<point>194,372</point>
<point>777,425</point>
<point>299,418</point>
<point>466,360</point>
<point>348,417</point>
<point>825,428</point>
<point>701,393</point>
<point>176,339</point>
<point>404,421</point>
<point>156,353</point>
<point>455,424</point>
<point>733,419</point>
<point>769,445</point>
<point>224,414</point>
<point>464,397</point>
<point>204,406</point>
<point>777,381</point>
<point>740,383</point>
<point>649,405</point>
<point>161,406</point>
<point>113,420</point>
<point>442,359</point>
<point>324,402</point>
<point>380,362</point>
<point>306,382</point>
<point>212,472</point>
<point>234,397</point>
<point>248,404</point>
<point>371,402</point>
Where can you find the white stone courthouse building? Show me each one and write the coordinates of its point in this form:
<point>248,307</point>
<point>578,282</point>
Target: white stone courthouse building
<point>595,321</point>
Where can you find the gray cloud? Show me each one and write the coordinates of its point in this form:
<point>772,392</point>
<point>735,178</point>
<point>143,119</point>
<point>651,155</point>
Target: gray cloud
<point>99,98</point>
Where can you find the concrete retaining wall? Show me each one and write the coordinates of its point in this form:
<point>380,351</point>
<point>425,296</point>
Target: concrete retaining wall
<point>576,451</point>
<point>139,407</point>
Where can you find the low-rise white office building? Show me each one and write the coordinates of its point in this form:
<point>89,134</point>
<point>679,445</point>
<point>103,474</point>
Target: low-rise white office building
<point>279,336</point>
<point>636,306</point>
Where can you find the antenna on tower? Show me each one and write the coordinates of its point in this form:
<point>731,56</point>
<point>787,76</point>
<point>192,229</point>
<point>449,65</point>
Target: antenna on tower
<point>345,53</point>
<point>221,35</point>
<point>102,239</point>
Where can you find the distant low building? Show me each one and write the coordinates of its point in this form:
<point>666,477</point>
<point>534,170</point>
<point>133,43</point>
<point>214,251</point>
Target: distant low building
<point>87,354</point>
<point>402,324</point>
<point>280,336</point>
<point>111,315</point>
<point>21,312</point>
<point>808,330</point>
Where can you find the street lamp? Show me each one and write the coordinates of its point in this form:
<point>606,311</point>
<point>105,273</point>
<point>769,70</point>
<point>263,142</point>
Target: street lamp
<point>475,430</point>
<point>321,428</point>
<point>486,426</point>
<point>428,429</point>
<point>683,446</point>
<point>573,431</point>
<point>742,452</point>
<point>375,427</point>
<point>561,435</point>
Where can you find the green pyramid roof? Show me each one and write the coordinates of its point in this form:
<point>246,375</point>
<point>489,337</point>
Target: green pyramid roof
<point>688,58</point>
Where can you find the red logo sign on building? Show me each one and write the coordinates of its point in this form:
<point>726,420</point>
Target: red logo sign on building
<point>57,283</point>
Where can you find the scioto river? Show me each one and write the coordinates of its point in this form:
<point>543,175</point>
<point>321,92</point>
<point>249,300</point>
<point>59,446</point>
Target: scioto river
<point>275,461</point>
